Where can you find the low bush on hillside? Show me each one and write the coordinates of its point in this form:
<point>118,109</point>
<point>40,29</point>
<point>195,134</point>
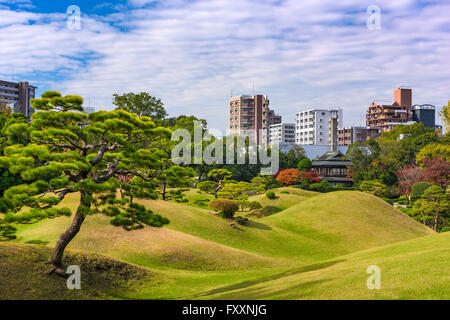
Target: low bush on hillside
<point>246,206</point>
<point>445,229</point>
<point>201,202</point>
<point>226,208</point>
<point>342,188</point>
<point>284,192</point>
<point>323,186</point>
<point>241,220</point>
<point>270,195</point>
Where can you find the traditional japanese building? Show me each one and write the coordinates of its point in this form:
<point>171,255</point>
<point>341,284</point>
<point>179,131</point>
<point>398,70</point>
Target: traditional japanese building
<point>332,166</point>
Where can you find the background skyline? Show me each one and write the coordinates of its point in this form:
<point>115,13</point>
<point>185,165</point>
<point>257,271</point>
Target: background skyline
<point>194,54</point>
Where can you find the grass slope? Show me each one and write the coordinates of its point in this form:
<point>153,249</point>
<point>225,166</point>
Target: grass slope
<point>318,228</point>
<point>199,252</point>
<point>413,269</point>
<point>22,275</point>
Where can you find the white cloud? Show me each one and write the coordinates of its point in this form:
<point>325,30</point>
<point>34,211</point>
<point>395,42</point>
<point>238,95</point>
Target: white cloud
<point>193,53</point>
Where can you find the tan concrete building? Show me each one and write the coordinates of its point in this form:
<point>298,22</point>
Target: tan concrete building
<point>251,115</point>
<point>17,95</point>
<point>386,116</point>
<point>349,135</point>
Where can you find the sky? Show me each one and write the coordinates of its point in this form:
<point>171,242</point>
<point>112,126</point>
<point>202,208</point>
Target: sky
<point>195,54</point>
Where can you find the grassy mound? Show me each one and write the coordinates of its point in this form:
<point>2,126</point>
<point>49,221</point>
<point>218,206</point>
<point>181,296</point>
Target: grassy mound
<point>413,269</point>
<point>349,220</point>
<point>150,247</point>
<point>22,275</point>
<point>317,228</point>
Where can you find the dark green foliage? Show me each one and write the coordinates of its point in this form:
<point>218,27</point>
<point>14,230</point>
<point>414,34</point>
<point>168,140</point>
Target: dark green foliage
<point>342,188</point>
<point>246,206</point>
<point>208,186</point>
<point>403,200</point>
<point>418,189</point>
<point>270,195</point>
<point>135,216</point>
<point>292,158</point>
<point>375,187</point>
<point>226,208</point>
<point>445,229</point>
<point>284,192</point>
<point>272,183</point>
<point>143,104</point>
<point>201,202</point>
<point>304,165</point>
<point>241,220</point>
<point>433,208</point>
<point>7,232</point>
<point>322,186</point>
<point>234,190</point>
<point>259,184</point>
<point>72,152</point>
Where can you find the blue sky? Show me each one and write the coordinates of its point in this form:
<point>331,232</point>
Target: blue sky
<point>194,53</point>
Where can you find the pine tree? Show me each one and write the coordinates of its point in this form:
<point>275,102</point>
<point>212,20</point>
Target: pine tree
<point>72,152</point>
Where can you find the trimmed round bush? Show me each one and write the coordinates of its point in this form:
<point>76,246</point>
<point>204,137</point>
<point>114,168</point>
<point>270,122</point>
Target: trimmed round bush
<point>445,229</point>
<point>270,195</point>
<point>226,208</point>
<point>284,192</point>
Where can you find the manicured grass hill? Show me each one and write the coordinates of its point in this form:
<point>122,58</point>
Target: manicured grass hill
<point>349,220</point>
<point>22,275</point>
<point>413,269</point>
<point>317,228</point>
<point>199,252</point>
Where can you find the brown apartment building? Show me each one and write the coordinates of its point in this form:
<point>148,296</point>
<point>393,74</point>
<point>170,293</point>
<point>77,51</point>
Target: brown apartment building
<point>251,115</point>
<point>386,116</point>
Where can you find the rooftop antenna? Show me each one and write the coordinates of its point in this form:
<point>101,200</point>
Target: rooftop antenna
<point>253,87</point>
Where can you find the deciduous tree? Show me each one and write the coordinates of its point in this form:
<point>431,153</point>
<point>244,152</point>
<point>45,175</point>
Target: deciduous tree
<point>143,104</point>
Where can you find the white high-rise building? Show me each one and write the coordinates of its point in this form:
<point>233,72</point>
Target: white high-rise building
<point>282,132</point>
<point>312,127</point>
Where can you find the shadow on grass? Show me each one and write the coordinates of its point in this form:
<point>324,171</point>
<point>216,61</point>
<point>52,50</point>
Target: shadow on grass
<point>264,212</point>
<point>258,225</point>
<point>41,242</point>
<point>300,291</point>
<point>287,273</point>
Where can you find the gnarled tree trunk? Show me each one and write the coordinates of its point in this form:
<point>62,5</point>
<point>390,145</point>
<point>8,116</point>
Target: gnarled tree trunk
<point>64,239</point>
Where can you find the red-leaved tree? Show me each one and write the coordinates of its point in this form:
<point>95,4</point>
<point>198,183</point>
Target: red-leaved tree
<point>289,176</point>
<point>309,176</point>
<point>436,171</point>
<point>408,176</point>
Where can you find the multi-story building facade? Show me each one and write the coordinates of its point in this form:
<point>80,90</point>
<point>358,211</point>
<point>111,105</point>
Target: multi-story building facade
<point>426,114</point>
<point>313,127</point>
<point>251,115</point>
<point>17,95</point>
<point>386,116</point>
<point>349,135</point>
<point>282,133</point>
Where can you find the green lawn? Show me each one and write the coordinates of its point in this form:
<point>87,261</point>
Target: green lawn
<point>199,253</point>
<point>413,269</point>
